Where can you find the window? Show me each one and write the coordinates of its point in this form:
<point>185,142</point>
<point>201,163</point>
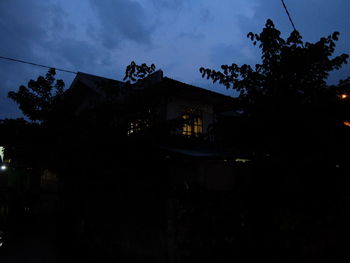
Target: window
<point>2,150</point>
<point>133,127</point>
<point>137,125</point>
<point>193,123</point>
<point>186,128</point>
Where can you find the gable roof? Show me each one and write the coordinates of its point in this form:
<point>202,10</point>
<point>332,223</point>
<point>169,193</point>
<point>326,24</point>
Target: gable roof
<point>171,87</point>
<point>94,82</point>
<point>155,84</point>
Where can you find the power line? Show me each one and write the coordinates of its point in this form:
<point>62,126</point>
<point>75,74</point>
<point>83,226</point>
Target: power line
<point>35,64</point>
<point>290,18</point>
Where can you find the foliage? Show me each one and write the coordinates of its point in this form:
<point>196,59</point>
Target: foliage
<point>286,101</point>
<point>23,141</point>
<point>136,72</point>
<point>38,98</point>
<point>290,69</point>
<point>292,124</point>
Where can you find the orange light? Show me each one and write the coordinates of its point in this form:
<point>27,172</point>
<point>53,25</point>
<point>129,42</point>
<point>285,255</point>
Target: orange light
<point>344,96</point>
<point>346,123</point>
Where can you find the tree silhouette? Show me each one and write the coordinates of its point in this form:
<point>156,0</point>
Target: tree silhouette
<point>292,122</point>
<point>38,98</point>
<point>286,98</point>
<point>136,72</point>
<point>290,68</point>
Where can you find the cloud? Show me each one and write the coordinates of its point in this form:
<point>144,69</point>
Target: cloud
<point>102,37</point>
<point>227,54</point>
<point>195,36</point>
<point>169,4</point>
<point>23,27</point>
<point>77,53</point>
<point>120,20</point>
<point>40,32</point>
<point>205,15</point>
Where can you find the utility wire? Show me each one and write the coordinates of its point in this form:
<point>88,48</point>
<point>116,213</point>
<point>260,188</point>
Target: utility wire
<point>38,65</point>
<point>290,18</point>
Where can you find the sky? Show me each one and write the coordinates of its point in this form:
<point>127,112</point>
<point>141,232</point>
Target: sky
<point>102,37</point>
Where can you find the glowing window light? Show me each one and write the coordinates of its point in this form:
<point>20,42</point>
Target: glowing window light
<point>136,126</point>
<point>2,150</point>
<point>242,160</point>
<point>346,123</point>
<point>186,128</point>
<point>193,123</point>
<point>198,125</point>
<point>344,96</point>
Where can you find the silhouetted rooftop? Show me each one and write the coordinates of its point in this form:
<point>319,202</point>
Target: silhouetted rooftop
<point>172,85</point>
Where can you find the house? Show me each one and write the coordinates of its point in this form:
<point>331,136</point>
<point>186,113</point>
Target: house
<point>166,100</point>
<point>134,190</point>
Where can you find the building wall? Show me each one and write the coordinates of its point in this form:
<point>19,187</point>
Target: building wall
<point>176,106</point>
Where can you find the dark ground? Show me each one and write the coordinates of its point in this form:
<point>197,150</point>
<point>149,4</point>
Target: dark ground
<point>33,239</point>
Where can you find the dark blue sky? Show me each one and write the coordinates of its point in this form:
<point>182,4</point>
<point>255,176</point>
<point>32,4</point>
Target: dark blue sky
<point>103,36</point>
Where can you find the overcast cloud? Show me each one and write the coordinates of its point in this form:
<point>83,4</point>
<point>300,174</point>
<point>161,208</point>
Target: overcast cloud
<point>103,36</point>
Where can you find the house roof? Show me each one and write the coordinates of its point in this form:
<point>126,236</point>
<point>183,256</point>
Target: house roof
<point>154,83</point>
<point>171,87</point>
<point>95,82</point>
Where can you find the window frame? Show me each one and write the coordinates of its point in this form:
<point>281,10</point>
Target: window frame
<point>193,123</point>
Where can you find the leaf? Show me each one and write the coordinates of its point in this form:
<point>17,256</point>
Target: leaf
<point>251,36</point>
<point>335,36</point>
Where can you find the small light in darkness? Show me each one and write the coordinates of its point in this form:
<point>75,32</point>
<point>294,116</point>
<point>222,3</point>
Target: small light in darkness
<point>346,123</point>
<point>344,96</point>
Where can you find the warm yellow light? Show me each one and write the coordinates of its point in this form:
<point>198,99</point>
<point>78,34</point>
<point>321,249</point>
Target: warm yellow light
<point>192,125</point>
<point>344,96</point>
<point>346,123</point>
<point>2,150</point>
<point>241,160</point>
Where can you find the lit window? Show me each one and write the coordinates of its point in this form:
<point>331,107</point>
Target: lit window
<point>193,123</point>
<point>137,125</point>
<point>198,125</point>
<point>186,128</point>
<point>2,149</point>
<point>346,123</point>
<point>134,127</point>
<point>344,96</point>
<point>242,160</point>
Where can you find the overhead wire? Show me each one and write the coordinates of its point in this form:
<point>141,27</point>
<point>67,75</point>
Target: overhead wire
<point>72,72</point>
<point>288,14</point>
<point>35,64</point>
